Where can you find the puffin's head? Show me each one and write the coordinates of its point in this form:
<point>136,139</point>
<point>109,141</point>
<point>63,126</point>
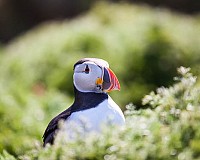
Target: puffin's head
<point>94,75</point>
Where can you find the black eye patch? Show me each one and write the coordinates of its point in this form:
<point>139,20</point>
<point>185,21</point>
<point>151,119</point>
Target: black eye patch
<point>87,69</point>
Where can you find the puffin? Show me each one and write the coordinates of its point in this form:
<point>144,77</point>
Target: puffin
<point>92,80</point>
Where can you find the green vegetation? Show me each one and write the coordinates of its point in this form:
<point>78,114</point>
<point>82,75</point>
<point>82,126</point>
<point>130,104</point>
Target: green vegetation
<point>143,46</point>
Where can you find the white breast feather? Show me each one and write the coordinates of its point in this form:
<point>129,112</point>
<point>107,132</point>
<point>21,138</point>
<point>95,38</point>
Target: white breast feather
<point>106,113</point>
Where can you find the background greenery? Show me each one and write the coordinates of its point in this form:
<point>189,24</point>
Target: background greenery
<point>143,46</point>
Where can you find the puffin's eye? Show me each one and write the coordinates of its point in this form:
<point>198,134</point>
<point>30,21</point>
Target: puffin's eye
<point>87,70</point>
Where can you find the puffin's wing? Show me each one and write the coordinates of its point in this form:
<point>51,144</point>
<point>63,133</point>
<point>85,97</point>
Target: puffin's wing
<point>52,127</point>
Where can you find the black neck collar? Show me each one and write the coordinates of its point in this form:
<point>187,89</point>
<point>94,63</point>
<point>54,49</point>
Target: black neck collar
<point>87,100</point>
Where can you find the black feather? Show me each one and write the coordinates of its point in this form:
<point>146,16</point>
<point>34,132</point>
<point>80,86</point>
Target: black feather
<point>82,101</point>
<point>52,127</point>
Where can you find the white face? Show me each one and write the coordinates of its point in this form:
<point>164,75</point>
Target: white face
<point>85,76</point>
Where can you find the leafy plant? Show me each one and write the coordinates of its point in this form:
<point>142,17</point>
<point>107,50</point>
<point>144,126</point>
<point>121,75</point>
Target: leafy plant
<point>170,130</point>
<point>142,45</point>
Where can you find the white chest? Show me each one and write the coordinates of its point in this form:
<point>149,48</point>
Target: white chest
<point>107,112</point>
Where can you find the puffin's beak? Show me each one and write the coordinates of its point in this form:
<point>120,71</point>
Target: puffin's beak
<point>110,81</point>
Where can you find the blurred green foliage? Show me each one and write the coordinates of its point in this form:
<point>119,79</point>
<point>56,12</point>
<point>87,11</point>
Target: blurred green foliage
<point>143,46</point>
<point>169,129</point>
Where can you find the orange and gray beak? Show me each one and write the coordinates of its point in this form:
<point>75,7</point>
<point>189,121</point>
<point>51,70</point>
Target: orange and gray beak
<point>109,80</point>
